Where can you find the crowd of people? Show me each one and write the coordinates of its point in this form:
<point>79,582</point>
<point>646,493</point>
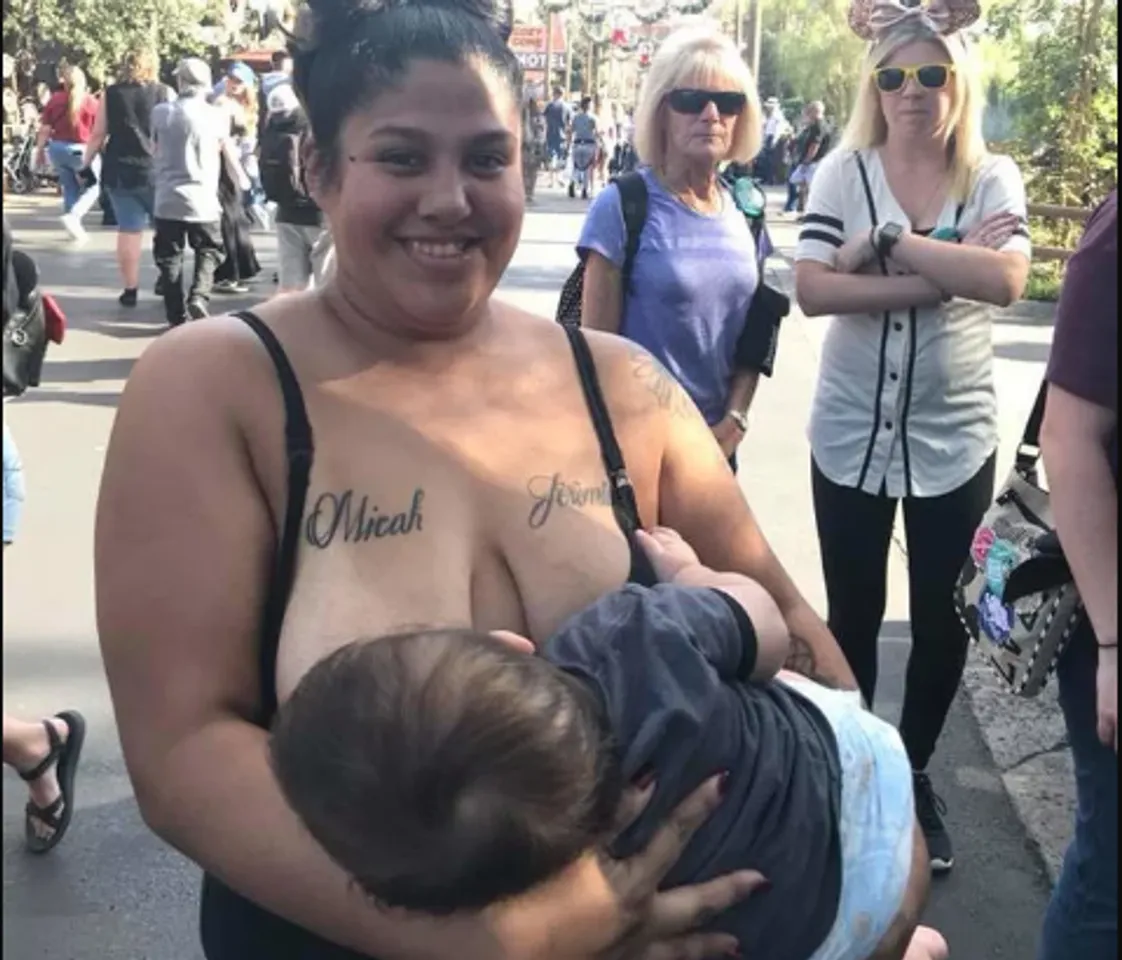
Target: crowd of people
<point>622,731</point>
<point>199,163</point>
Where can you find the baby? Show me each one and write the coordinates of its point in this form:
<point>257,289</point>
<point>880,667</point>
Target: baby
<point>448,770</point>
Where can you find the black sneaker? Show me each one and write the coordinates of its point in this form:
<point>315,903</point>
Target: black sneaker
<point>197,309</point>
<point>231,287</point>
<point>572,189</point>
<point>930,810</point>
<point>128,298</point>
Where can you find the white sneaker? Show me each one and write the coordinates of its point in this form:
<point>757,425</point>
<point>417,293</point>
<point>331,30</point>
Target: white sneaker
<point>73,226</point>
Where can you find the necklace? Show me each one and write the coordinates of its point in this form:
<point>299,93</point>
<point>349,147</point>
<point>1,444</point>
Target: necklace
<point>918,220</point>
<point>692,202</point>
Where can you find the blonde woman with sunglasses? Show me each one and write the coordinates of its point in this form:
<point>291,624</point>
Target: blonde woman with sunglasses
<point>913,233</point>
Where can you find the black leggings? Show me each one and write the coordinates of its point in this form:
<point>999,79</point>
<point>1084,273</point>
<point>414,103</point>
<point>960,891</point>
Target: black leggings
<point>854,534</point>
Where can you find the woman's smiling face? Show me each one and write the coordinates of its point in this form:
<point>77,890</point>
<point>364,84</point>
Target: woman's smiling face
<point>426,205</point>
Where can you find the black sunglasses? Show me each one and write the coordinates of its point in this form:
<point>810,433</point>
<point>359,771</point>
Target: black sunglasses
<point>930,76</point>
<point>728,103</point>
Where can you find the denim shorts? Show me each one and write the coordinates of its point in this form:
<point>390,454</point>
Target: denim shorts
<point>877,822</point>
<point>13,487</point>
<point>132,207</point>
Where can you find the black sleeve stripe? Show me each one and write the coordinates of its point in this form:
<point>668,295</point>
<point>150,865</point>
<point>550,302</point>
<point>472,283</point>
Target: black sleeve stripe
<point>824,221</point>
<point>749,644</point>
<point>823,237</point>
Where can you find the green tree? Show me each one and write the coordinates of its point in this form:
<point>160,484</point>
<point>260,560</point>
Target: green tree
<point>97,33</point>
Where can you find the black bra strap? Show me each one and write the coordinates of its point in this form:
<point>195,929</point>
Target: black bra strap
<point>623,494</point>
<point>298,451</point>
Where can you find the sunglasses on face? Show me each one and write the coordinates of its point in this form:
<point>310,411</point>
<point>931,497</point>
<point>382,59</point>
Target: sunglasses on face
<point>930,76</point>
<point>692,102</point>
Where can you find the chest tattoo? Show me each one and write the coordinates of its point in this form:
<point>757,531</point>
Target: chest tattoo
<point>550,491</point>
<point>353,519</point>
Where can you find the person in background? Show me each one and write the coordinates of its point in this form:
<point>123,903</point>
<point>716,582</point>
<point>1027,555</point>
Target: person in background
<point>813,145</point>
<point>533,145</point>
<point>299,222</point>
<point>584,148</point>
<point>775,128</point>
<point>557,119</point>
<point>124,130</point>
<point>65,127</point>
<point>280,74</point>
<point>43,753</point>
<point>191,138</point>
<point>910,269</point>
<point>236,185</point>
<point>1079,443</point>
<point>695,272</point>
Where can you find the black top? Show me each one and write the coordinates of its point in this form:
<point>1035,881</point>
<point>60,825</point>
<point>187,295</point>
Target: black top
<point>128,121</point>
<point>232,927</point>
<point>672,667</point>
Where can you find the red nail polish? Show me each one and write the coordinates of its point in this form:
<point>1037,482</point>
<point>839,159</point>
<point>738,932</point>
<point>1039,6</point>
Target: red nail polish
<point>644,778</point>
<point>723,784</point>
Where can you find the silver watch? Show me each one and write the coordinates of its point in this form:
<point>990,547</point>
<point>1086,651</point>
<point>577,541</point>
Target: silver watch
<point>740,419</point>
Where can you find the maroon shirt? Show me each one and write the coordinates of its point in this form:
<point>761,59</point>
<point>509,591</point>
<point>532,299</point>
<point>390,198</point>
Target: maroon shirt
<point>56,115</point>
<point>1084,359</point>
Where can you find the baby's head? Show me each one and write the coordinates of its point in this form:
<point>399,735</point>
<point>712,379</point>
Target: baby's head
<point>444,770</point>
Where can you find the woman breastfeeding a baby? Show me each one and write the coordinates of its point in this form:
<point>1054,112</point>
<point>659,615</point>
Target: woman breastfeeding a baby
<point>278,485</point>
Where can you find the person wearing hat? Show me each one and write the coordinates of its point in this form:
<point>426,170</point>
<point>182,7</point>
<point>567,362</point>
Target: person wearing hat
<point>190,135</point>
<point>299,223</point>
<point>775,128</point>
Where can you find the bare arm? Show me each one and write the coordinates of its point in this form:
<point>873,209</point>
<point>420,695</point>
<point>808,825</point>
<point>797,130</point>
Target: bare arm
<point>602,300</point>
<point>960,270</point>
<point>822,290</point>
<point>700,499</point>
<point>98,135</point>
<point>184,543</point>
<point>1085,501</point>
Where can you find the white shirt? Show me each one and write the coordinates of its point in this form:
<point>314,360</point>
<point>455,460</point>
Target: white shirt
<point>774,125</point>
<point>905,400</point>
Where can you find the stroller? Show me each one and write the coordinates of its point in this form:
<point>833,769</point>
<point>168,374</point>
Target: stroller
<point>584,160</point>
<point>19,166</point>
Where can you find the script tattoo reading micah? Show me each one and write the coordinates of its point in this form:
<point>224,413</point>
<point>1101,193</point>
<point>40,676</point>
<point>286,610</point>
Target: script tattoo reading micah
<point>548,492</point>
<point>352,519</point>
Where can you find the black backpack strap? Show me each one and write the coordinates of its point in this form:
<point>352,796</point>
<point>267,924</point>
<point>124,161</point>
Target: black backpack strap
<point>299,451</point>
<point>633,203</point>
<point>1028,450</point>
<point>624,504</point>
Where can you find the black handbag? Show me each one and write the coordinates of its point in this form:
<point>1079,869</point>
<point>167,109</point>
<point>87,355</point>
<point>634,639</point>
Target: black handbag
<point>25,330</point>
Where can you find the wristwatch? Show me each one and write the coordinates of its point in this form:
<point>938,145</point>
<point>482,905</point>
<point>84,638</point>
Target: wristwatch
<point>887,236</point>
<point>740,419</point>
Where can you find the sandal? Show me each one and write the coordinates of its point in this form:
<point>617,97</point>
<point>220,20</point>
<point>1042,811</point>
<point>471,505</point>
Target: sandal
<point>57,814</point>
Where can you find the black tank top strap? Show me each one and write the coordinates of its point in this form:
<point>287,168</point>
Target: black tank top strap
<point>299,451</point>
<point>624,504</point>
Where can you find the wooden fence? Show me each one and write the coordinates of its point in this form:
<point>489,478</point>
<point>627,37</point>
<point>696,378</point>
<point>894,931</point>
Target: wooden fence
<point>1050,211</point>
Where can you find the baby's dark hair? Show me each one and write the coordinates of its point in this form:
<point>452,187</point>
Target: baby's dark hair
<point>346,52</point>
<point>444,770</point>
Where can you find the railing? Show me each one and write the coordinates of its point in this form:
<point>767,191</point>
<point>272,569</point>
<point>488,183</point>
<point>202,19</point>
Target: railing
<point>1048,211</point>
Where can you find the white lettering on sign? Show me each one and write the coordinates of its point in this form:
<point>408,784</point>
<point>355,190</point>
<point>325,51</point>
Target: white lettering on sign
<point>536,61</point>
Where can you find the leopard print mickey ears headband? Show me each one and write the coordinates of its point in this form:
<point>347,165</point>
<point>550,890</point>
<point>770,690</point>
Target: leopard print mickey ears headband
<point>872,19</point>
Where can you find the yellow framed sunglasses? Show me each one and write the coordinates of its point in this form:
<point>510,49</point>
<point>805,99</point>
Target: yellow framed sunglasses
<point>930,76</point>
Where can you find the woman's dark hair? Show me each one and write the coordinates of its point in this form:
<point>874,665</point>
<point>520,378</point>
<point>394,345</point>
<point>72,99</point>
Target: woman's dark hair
<point>444,771</point>
<point>344,52</point>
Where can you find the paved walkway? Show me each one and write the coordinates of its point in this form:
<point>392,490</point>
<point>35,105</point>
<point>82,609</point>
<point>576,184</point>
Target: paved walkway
<point>114,892</point>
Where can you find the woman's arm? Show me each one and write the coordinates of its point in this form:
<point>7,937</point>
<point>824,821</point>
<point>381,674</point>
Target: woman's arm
<point>602,300</point>
<point>821,290</point>
<point>1074,441</point>
<point>965,270</point>
<point>700,499</point>
<point>98,135</point>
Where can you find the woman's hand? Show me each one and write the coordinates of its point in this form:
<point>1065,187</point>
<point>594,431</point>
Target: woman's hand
<point>856,253</point>
<point>993,232</point>
<point>653,925</point>
<point>729,436</point>
<point>1106,696</point>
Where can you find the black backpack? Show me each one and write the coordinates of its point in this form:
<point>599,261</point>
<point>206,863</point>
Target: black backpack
<point>279,163</point>
<point>25,325</point>
<point>633,199</point>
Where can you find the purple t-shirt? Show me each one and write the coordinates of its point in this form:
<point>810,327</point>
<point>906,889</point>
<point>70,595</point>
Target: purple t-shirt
<point>692,281</point>
<point>1084,359</point>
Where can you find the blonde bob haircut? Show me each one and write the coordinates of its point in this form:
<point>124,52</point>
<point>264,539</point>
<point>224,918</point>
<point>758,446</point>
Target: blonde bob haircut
<point>696,55</point>
<point>966,148</point>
